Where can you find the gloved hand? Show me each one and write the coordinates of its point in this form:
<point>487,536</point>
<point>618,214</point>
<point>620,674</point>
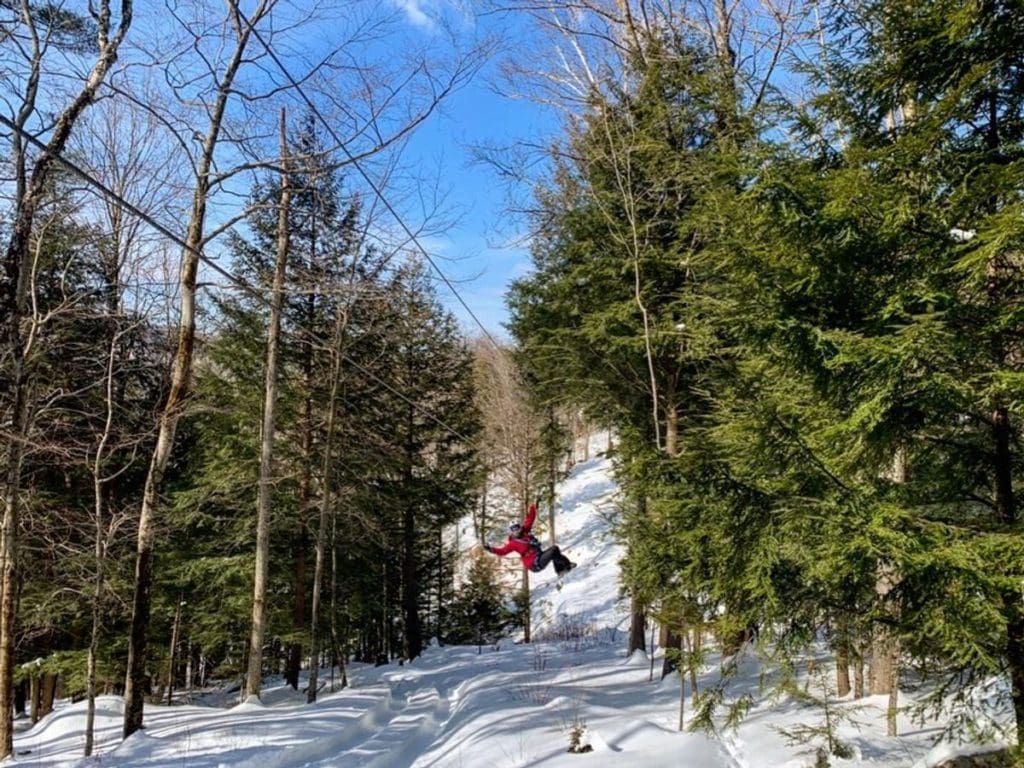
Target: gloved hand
<point>488,547</point>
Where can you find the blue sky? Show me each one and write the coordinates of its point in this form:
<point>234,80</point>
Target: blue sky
<point>480,253</point>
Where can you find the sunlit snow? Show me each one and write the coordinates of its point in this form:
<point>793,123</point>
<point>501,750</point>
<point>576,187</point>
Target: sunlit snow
<point>503,706</point>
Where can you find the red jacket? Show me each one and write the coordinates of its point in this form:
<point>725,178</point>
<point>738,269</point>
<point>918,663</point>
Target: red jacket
<point>521,543</point>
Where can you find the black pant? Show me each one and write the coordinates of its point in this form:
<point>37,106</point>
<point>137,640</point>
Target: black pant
<point>550,554</point>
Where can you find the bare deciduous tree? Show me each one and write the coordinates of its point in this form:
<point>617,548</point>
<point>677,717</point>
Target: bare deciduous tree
<point>222,81</point>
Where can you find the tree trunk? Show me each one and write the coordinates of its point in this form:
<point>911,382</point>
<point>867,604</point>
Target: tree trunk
<point>8,553</point>
<point>47,693</point>
<point>181,379</point>
<point>326,501</point>
<point>526,601</point>
<point>300,545</point>
<point>254,675</point>
<point>885,655</point>
<point>893,705</point>
<point>682,681</point>
<point>670,637</point>
<point>650,675</point>
<point>412,644</point>
<point>337,653</point>
<point>885,646</point>
<point>172,656</point>
<point>482,526</point>
<point>552,477</point>
<point>842,668</point>
<point>636,626</point>
<point>440,619</point>
<point>858,673</point>
<point>726,54</point>
<point>33,695</point>
<point>671,419</point>
<point>698,644</point>
<point>1006,512</point>
<point>300,541</point>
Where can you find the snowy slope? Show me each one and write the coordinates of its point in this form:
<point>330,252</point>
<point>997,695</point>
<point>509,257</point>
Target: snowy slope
<point>502,707</point>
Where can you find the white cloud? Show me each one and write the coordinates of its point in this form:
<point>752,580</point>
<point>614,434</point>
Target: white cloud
<point>416,12</point>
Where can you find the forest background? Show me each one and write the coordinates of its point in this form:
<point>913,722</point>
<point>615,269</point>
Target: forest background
<point>776,248</point>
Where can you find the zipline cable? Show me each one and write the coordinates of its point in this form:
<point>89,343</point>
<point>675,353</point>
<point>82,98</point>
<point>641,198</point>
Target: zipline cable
<point>113,196</point>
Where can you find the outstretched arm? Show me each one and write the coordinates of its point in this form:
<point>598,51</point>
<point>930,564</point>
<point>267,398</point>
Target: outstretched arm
<point>502,550</point>
<point>531,515</point>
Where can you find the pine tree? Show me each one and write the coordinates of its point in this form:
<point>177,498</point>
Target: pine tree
<point>891,248</point>
<point>625,310</point>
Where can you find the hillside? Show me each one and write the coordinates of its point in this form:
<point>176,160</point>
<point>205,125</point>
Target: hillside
<point>504,706</point>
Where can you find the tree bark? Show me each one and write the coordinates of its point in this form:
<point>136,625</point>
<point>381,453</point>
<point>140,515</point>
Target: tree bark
<point>842,668</point>
<point>326,500</point>
<point>636,626</point>
<point>669,637</point>
<point>254,675</point>
<point>885,655</point>
<point>527,628</point>
<point>412,644</point>
<point>172,656</point>
<point>858,671</point>
<point>552,477</point>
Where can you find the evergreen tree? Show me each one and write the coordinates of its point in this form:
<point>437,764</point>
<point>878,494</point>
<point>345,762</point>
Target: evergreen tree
<point>625,310</point>
<point>478,613</point>
<point>889,255</point>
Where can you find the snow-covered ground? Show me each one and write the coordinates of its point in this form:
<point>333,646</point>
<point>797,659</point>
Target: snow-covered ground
<point>500,707</point>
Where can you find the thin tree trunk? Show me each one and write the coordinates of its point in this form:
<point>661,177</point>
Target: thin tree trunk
<point>181,379</point>
<point>526,601</point>
<point>325,505</point>
<point>552,478</point>
<point>682,681</point>
<point>482,527</point>
<point>843,651</point>
<point>300,541</point>
<point>47,693</point>
<point>266,483</point>
<point>636,626</point>
<point>412,644</point>
<point>886,652</point>
<point>893,705</point>
<point>33,694</point>
<point>858,672</point>
<point>698,643</point>
<point>8,553</point>
<point>671,418</point>
<point>337,650</point>
<point>175,629</point>
<point>842,669</point>
<point>439,623</point>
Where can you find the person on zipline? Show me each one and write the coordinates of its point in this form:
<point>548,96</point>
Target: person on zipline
<point>523,542</point>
